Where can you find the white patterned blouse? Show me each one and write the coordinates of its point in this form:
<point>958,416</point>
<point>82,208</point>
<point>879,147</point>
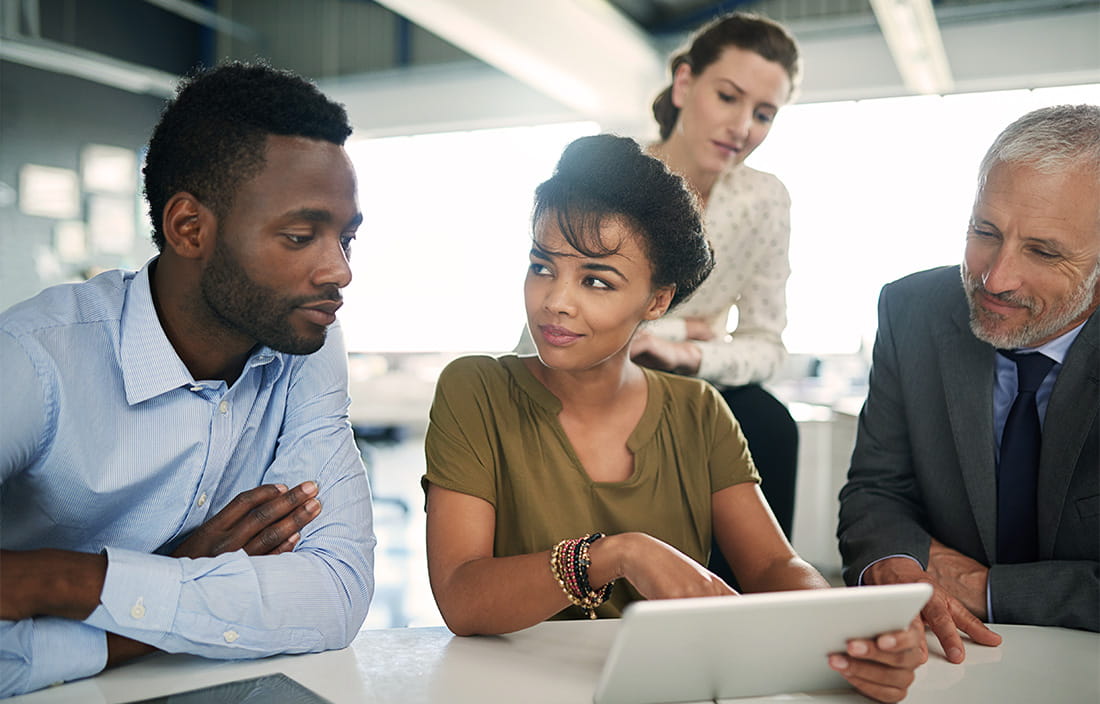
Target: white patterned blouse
<point>748,223</point>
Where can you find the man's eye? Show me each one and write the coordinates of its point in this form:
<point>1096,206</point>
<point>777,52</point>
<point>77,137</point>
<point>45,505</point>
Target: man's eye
<point>297,239</point>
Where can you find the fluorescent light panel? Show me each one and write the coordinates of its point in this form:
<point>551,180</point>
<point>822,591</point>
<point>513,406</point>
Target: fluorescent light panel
<point>913,36</point>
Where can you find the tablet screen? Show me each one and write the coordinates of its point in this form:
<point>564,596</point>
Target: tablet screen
<point>268,689</point>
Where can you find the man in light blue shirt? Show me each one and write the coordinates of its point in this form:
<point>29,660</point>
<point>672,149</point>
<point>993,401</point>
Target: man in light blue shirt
<point>977,460</point>
<point>177,469</point>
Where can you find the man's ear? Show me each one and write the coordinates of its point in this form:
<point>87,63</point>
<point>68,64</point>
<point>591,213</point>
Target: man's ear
<point>659,303</point>
<point>681,81</point>
<point>189,226</point>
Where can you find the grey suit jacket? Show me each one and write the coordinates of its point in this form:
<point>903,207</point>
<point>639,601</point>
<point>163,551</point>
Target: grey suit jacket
<point>924,464</point>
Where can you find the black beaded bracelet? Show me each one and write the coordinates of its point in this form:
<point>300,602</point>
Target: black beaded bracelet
<point>569,564</point>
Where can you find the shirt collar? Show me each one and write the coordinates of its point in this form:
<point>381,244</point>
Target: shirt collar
<point>150,364</point>
<point>1057,348</point>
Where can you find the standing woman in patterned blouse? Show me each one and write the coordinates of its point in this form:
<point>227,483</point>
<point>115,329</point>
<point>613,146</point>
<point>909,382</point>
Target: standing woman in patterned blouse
<point>726,90</point>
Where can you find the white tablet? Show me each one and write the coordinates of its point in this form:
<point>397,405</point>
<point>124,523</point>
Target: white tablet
<point>700,650</point>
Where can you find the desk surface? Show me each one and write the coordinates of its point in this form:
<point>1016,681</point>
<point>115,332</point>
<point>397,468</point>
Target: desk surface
<point>560,663</point>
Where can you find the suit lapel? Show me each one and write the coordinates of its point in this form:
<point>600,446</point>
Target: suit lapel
<point>967,367</point>
<point>1070,414</point>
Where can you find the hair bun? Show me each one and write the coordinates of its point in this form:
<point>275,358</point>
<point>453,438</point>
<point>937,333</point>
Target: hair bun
<point>607,174</point>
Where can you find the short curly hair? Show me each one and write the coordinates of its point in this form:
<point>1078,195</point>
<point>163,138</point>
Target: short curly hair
<point>211,137</point>
<point>609,176</point>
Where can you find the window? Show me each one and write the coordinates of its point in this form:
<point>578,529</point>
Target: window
<point>880,189</point>
<point>440,258</point>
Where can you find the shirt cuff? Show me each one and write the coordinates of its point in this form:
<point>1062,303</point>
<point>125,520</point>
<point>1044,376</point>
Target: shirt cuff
<point>64,650</point>
<point>140,594</point>
<point>869,565</point>
<point>718,368</point>
<point>674,329</point>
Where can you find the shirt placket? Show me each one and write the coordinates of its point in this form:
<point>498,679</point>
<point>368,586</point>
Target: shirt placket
<point>218,446</point>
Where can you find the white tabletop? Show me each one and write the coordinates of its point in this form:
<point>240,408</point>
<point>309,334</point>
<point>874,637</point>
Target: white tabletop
<point>560,662</point>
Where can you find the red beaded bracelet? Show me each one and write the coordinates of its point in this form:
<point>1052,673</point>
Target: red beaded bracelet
<point>569,563</point>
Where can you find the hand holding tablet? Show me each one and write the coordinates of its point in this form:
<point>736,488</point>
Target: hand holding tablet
<point>685,650</point>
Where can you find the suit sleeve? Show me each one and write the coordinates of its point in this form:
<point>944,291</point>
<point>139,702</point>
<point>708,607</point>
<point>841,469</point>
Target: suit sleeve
<point>1062,593</point>
<point>880,506</point>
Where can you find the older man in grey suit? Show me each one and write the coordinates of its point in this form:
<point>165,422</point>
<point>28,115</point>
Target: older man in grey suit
<point>967,472</point>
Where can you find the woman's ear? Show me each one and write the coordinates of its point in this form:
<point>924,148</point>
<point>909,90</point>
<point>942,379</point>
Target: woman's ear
<point>660,301</point>
<point>189,226</point>
<point>681,81</point>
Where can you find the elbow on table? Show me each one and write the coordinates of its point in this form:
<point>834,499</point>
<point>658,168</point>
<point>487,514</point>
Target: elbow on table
<point>354,592</point>
<point>463,621</point>
<point>459,623</point>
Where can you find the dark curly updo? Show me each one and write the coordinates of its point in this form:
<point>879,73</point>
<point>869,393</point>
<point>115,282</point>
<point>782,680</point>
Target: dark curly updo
<point>608,176</point>
<point>212,136</point>
<point>759,35</point>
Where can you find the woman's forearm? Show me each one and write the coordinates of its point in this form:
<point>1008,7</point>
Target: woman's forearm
<point>491,595</point>
<point>786,575</point>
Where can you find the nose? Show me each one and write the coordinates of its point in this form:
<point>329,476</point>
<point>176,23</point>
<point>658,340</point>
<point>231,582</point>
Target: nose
<point>740,122</point>
<point>1002,272</point>
<point>333,268</point>
<point>560,298</point>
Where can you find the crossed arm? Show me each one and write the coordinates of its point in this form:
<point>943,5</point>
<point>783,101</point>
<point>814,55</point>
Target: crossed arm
<point>882,516</point>
<point>266,520</point>
<point>958,599</point>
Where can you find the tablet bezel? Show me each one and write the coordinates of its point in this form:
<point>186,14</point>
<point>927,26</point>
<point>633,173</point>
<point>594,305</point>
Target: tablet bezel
<point>704,649</point>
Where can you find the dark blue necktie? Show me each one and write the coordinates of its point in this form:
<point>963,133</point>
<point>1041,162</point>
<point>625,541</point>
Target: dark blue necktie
<point>1017,474</point>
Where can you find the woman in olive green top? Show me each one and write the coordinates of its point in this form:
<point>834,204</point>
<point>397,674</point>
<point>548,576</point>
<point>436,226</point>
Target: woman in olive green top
<point>528,457</point>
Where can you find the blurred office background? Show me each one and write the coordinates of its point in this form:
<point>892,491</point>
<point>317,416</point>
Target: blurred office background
<point>462,106</point>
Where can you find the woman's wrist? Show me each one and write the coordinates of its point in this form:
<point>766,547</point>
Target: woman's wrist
<point>608,556</point>
<point>569,563</point>
<point>691,358</point>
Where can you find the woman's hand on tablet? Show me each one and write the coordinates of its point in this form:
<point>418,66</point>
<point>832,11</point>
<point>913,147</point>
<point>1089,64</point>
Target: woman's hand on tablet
<point>882,668</point>
<point>655,568</point>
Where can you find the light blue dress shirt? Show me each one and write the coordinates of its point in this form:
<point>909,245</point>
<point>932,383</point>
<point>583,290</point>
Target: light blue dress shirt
<point>108,443</point>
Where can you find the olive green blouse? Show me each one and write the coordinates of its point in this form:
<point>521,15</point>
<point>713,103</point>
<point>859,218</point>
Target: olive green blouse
<point>494,434</point>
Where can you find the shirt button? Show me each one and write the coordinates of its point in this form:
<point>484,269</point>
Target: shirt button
<point>223,407</point>
<point>137,611</point>
<point>202,499</point>
<point>230,636</point>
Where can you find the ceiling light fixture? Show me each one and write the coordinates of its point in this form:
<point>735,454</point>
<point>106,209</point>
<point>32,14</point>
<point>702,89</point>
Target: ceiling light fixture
<point>913,36</point>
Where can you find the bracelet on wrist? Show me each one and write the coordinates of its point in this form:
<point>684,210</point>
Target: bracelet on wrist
<point>569,563</point>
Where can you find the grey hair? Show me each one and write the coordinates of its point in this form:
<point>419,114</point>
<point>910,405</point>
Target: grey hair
<point>1051,139</point>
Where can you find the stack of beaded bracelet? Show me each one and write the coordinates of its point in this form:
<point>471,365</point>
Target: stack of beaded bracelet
<point>569,563</point>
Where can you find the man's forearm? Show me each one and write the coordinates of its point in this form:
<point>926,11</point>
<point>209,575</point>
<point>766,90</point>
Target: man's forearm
<point>50,582</point>
<point>121,649</point>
